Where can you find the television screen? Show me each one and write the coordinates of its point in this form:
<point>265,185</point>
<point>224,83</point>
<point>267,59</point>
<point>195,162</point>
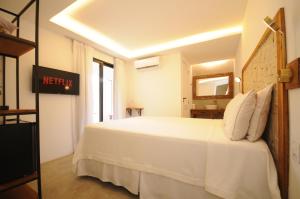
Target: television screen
<point>54,81</point>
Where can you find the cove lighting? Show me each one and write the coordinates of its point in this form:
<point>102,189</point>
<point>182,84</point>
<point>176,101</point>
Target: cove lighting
<point>202,81</point>
<point>215,63</point>
<point>65,20</point>
<point>198,38</point>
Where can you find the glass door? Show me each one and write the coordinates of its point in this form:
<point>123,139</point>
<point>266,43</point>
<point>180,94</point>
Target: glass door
<point>107,92</point>
<point>103,75</point>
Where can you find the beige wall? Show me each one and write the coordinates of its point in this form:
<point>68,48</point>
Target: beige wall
<point>157,89</point>
<point>253,29</point>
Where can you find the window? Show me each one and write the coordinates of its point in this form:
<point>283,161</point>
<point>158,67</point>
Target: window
<point>103,75</point>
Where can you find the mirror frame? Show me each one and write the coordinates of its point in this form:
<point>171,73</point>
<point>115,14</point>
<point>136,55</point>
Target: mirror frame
<point>230,84</point>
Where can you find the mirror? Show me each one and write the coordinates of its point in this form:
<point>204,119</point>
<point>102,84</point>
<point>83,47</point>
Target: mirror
<point>217,86</point>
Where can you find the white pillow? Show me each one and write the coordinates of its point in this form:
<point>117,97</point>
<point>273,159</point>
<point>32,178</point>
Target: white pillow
<point>238,114</point>
<point>6,26</point>
<point>260,116</point>
<point>230,106</point>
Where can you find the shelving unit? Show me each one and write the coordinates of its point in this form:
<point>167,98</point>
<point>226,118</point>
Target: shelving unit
<point>19,181</point>
<point>17,112</point>
<point>12,46</point>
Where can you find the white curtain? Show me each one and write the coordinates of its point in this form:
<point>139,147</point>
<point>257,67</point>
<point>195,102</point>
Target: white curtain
<point>120,89</point>
<point>82,104</point>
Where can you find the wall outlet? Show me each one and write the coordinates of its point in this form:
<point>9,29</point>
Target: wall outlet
<point>295,152</point>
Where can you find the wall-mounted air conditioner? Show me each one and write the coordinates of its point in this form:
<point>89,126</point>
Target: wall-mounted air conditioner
<point>148,62</point>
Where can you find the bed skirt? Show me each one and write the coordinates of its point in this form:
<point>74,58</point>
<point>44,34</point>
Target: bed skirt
<point>147,185</point>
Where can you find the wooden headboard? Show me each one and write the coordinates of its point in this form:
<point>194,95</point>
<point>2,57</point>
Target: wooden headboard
<point>262,69</point>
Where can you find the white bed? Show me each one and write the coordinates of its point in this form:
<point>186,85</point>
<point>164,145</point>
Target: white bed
<point>165,157</point>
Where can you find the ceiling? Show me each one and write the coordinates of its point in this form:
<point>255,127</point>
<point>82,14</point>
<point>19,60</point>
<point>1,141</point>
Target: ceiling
<point>136,24</point>
<point>226,67</point>
<point>139,23</point>
<point>48,8</point>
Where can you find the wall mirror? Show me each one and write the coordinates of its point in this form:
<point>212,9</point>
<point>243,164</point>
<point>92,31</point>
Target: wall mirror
<point>217,86</point>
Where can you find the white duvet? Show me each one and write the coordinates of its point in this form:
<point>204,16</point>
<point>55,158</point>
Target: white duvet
<point>193,151</point>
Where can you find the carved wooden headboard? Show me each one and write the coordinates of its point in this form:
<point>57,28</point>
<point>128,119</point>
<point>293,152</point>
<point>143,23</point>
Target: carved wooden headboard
<point>262,69</point>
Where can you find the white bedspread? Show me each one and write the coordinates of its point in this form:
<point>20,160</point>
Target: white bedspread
<point>193,151</point>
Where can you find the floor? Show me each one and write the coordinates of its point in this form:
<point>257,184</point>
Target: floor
<point>59,182</point>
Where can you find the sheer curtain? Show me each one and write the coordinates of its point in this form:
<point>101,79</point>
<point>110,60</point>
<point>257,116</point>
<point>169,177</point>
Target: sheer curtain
<point>82,105</point>
<point>120,89</point>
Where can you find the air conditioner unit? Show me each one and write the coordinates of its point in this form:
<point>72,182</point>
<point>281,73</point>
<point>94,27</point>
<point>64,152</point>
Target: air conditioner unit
<point>148,62</point>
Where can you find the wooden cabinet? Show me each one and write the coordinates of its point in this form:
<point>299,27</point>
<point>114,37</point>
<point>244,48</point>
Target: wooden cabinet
<point>208,114</point>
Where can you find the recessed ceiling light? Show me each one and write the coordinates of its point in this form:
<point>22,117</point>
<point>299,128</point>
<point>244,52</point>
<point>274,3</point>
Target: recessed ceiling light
<point>215,63</point>
<point>65,20</point>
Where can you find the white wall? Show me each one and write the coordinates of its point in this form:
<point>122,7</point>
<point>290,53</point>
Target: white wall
<point>254,27</point>
<point>256,11</point>
<point>294,115</point>
<point>55,110</point>
<point>157,89</point>
<point>186,88</point>
<point>224,68</point>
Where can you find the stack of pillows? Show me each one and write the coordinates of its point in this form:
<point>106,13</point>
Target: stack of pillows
<point>6,26</point>
<point>246,115</point>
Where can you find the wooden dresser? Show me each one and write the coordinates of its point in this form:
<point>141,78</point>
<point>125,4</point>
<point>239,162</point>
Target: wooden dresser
<point>209,114</point>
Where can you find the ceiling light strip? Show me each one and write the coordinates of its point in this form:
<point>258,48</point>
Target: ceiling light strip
<point>65,20</point>
<point>194,39</point>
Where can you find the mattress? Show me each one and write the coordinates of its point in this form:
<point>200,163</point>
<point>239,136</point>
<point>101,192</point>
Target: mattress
<point>192,151</point>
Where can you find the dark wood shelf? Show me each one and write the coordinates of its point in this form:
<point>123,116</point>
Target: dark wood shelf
<point>17,112</point>
<point>20,192</point>
<point>19,181</point>
<point>13,46</point>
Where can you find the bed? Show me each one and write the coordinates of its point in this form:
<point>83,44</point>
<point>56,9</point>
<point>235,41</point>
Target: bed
<point>186,150</point>
<point>191,158</point>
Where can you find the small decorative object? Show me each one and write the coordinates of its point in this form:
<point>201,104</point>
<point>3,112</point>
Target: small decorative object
<point>2,108</point>
<point>138,109</point>
<point>6,26</point>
